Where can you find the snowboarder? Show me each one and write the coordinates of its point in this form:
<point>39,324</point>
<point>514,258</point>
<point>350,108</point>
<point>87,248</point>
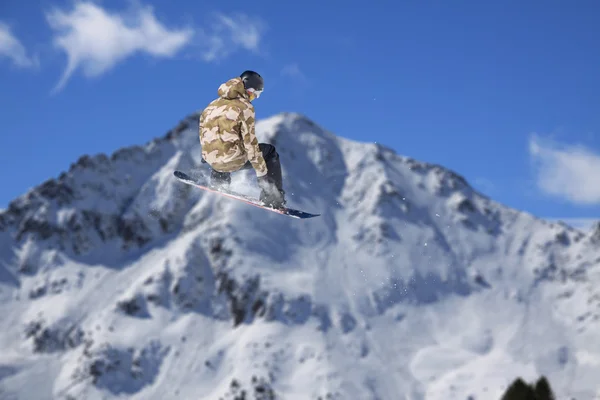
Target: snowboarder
<point>228,140</point>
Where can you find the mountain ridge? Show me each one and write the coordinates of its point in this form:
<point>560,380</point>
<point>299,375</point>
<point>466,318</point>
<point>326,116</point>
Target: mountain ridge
<point>104,278</point>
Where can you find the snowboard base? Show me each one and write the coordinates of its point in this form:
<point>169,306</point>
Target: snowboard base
<point>185,178</point>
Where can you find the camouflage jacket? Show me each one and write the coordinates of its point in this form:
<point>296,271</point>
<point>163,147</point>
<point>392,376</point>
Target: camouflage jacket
<point>227,133</point>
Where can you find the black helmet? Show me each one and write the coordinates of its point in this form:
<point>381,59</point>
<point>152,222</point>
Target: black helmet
<point>252,80</point>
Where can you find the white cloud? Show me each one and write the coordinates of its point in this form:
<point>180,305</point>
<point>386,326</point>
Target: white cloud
<point>571,172</point>
<point>583,224</point>
<point>95,40</point>
<point>12,48</point>
<point>293,71</point>
<point>227,34</point>
<point>485,185</point>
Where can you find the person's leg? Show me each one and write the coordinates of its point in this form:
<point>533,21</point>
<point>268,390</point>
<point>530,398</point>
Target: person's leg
<point>272,192</point>
<point>273,165</point>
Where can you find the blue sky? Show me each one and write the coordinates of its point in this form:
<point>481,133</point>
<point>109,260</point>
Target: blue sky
<point>506,93</point>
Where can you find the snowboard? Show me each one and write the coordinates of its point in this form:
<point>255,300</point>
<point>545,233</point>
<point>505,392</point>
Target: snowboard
<point>290,212</point>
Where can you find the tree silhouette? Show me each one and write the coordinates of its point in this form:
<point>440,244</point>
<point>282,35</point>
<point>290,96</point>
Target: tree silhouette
<point>520,390</point>
<point>543,390</point>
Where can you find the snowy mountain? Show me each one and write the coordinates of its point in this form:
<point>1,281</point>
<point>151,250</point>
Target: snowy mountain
<point>118,281</point>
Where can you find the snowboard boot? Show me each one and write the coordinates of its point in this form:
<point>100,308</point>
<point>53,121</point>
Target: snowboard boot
<point>220,180</point>
<point>270,194</point>
<point>273,199</point>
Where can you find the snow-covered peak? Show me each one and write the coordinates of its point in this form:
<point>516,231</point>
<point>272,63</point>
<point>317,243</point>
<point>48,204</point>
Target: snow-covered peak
<point>117,279</point>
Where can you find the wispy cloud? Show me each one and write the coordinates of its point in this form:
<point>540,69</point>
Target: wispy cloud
<point>485,185</point>
<point>571,172</point>
<point>293,71</point>
<point>13,49</point>
<point>583,224</point>
<point>228,34</point>
<point>95,40</point>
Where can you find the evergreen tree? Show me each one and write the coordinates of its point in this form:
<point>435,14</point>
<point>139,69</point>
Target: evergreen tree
<point>519,390</point>
<point>543,390</point>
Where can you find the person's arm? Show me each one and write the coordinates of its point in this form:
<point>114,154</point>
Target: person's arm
<point>251,142</point>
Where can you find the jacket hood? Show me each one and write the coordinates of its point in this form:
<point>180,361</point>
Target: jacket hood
<point>233,89</point>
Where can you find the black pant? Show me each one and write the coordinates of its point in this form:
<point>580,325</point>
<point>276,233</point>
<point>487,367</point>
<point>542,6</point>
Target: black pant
<point>271,159</point>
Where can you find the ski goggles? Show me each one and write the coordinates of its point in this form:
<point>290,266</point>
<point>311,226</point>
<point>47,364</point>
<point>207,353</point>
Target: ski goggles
<point>254,94</point>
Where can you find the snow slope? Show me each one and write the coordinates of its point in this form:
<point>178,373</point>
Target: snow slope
<point>117,281</point>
